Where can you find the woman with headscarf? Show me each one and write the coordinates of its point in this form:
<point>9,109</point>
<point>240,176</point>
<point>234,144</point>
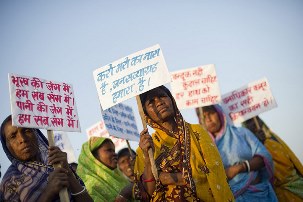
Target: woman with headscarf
<point>31,176</point>
<point>188,162</point>
<point>248,165</point>
<point>288,170</point>
<point>97,166</point>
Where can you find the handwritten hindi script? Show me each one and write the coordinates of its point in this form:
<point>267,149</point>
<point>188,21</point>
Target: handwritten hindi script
<point>131,76</point>
<point>39,103</point>
<point>120,122</point>
<point>195,87</point>
<point>248,101</point>
<point>99,130</point>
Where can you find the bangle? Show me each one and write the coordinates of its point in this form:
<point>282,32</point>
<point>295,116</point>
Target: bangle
<point>121,196</point>
<point>80,192</point>
<point>247,165</point>
<point>147,180</point>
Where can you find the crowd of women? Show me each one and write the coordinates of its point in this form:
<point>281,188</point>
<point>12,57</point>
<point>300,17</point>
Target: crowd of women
<point>210,161</point>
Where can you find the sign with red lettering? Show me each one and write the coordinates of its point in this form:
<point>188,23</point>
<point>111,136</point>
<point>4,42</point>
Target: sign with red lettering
<point>195,87</point>
<point>39,103</point>
<point>131,76</point>
<point>99,130</point>
<point>248,101</point>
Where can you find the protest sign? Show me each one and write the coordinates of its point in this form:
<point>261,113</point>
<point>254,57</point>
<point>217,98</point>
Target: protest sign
<point>248,101</point>
<point>131,76</point>
<point>99,130</point>
<point>195,87</point>
<point>61,140</point>
<point>120,122</point>
<point>39,103</point>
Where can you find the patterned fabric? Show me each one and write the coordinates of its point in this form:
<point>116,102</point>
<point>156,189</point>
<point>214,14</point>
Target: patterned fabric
<point>25,181</point>
<point>288,170</point>
<point>237,145</point>
<point>102,183</point>
<point>190,151</point>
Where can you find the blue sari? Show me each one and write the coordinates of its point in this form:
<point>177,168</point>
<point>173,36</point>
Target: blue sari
<point>26,181</point>
<point>237,144</point>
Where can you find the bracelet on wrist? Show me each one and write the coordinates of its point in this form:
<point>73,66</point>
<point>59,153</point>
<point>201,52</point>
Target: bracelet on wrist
<point>147,180</point>
<point>247,165</point>
<point>80,192</point>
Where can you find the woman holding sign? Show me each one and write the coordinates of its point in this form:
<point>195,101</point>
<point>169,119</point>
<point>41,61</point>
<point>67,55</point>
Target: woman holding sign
<point>248,165</point>
<point>288,172</point>
<point>189,164</point>
<point>31,176</point>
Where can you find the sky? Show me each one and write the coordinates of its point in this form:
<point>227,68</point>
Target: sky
<point>66,41</point>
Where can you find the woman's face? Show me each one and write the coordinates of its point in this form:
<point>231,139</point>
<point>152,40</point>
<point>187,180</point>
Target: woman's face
<point>21,142</point>
<point>212,121</point>
<point>159,106</point>
<point>106,155</point>
<point>125,166</point>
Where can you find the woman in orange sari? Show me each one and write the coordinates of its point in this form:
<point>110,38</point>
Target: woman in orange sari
<point>188,162</point>
<point>288,170</point>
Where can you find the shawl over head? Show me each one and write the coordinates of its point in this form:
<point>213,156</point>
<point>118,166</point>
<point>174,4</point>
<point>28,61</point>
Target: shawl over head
<point>190,151</point>
<point>102,183</point>
<point>25,181</point>
<point>237,144</point>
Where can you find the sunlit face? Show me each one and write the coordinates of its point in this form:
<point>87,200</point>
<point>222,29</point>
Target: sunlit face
<point>125,166</point>
<point>106,155</point>
<point>159,106</point>
<point>212,121</point>
<point>21,142</point>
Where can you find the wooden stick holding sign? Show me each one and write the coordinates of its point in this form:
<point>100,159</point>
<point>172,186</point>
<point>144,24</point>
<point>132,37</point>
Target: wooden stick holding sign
<point>150,151</point>
<point>132,156</point>
<point>131,76</point>
<point>63,192</point>
<point>257,123</point>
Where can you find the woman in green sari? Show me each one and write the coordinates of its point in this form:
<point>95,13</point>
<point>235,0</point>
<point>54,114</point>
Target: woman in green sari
<point>97,167</point>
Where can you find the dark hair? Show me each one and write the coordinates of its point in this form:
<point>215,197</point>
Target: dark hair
<point>143,97</point>
<point>125,152</point>
<point>210,108</point>
<point>9,118</point>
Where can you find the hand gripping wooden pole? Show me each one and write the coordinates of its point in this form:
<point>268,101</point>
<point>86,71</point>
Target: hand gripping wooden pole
<point>150,151</point>
<point>63,192</point>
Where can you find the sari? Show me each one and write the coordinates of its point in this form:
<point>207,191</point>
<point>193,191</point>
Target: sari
<point>191,152</point>
<point>237,144</point>
<point>26,181</point>
<point>288,170</point>
<point>102,183</point>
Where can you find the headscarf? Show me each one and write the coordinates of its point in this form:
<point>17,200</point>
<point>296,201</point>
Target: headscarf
<point>182,151</point>
<point>237,144</point>
<point>288,172</point>
<point>25,181</point>
<point>102,183</point>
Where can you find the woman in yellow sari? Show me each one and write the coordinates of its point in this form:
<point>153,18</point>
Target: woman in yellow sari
<point>288,170</point>
<point>188,162</point>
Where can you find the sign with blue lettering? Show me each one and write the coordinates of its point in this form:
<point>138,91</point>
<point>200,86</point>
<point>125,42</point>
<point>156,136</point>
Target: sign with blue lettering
<point>131,76</point>
<point>62,141</point>
<point>120,122</point>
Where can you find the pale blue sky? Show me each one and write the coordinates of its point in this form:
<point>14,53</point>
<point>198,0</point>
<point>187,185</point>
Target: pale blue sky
<point>246,40</point>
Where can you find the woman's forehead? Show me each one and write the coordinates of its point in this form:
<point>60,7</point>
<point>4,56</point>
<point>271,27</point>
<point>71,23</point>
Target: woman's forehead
<point>155,92</point>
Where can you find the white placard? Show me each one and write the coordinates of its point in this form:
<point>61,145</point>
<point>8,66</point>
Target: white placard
<point>195,87</point>
<point>248,101</point>
<point>99,130</point>
<point>39,103</point>
<point>131,76</point>
<point>62,141</point>
<point>120,122</point>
